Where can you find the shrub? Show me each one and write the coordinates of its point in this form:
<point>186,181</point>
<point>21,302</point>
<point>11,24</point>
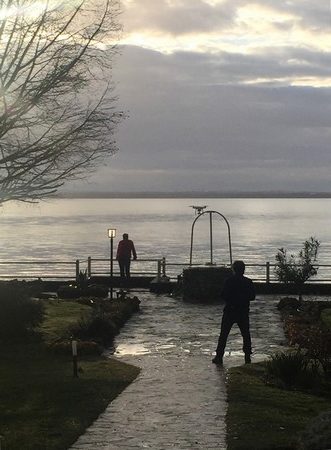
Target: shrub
<point>18,313</point>
<point>94,290</point>
<point>82,281</point>
<point>292,370</point>
<point>312,337</point>
<point>297,270</point>
<point>290,304</point>
<point>98,327</point>
<point>289,308</point>
<point>318,344</point>
<point>106,320</point>
<point>326,318</point>
<point>77,291</point>
<point>69,292</point>
<point>317,436</point>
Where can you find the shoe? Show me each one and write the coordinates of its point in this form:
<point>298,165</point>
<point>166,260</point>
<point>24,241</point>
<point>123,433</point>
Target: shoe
<point>248,359</point>
<point>218,360</point>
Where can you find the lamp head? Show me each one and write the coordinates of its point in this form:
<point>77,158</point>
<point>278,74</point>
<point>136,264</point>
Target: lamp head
<point>111,232</point>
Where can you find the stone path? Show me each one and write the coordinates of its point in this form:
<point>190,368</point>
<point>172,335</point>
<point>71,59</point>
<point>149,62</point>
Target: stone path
<point>179,399</point>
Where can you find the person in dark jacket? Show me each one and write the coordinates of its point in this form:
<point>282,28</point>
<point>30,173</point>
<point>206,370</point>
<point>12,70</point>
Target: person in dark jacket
<point>124,250</point>
<point>237,293</point>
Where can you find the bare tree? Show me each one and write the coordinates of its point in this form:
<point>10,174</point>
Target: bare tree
<point>57,114</point>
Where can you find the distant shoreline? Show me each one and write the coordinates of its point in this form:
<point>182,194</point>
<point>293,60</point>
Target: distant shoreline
<point>207,194</point>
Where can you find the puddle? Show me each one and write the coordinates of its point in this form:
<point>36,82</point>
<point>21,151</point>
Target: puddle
<point>131,350</point>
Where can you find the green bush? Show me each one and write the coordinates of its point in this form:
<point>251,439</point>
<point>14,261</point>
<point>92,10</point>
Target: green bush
<point>318,345</point>
<point>297,269</point>
<point>292,370</point>
<point>289,304</point>
<point>18,313</point>
<point>78,291</point>
<point>326,318</point>
<point>106,320</point>
<point>98,327</point>
<point>317,436</point>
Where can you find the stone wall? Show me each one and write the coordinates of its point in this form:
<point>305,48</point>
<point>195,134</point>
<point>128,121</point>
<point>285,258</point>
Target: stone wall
<point>204,284</point>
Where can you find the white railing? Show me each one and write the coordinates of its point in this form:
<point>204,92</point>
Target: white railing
<point>155,267</point>
<point>39,269</point>
<point>140,267</point>
<point>262,272</point>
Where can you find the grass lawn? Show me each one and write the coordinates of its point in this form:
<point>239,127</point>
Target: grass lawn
<point>326,317</point>
<point>59,315</point>
<point>265,417</point>
<point>42,406</point>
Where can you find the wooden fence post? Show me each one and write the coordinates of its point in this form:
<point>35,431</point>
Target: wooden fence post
<point>163,267</point>
<point>268,272</point>
<point>89,266</point>
<point>77,269</point>
<point>159,264</point>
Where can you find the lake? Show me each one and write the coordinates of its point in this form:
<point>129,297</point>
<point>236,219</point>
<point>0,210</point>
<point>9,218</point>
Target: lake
<point>70,229</point>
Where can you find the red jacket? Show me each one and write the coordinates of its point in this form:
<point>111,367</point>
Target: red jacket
<point>124,249</point>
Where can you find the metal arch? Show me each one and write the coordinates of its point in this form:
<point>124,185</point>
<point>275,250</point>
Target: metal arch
<point>211,212</point>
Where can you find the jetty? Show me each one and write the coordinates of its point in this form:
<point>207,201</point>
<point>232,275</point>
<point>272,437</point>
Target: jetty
<point>153,274</point>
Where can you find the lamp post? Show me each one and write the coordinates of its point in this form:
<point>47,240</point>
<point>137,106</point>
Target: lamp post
<point>111,235</point>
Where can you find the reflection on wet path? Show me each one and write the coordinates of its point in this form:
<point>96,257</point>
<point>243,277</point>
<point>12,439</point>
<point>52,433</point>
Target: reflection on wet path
<point>179,399</point>
<point>168,327</point>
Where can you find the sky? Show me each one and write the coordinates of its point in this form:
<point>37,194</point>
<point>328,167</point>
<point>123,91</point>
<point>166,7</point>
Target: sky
<point>222,95</point>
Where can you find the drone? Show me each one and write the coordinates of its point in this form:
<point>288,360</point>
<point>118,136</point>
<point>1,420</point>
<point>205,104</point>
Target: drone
<point>198,209</point>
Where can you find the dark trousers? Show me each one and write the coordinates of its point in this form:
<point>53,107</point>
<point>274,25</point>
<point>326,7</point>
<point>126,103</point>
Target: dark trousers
<point>241,318</point>
<point>124,264</point>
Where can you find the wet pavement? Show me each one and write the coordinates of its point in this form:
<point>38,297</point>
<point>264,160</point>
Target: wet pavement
<point>179,399</point>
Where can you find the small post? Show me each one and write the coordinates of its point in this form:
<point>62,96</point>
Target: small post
<point>111,235</point>
<point>268,272</point>
<point>77,269</point>
<point>111,266</point>
<point>74,358</point>
<point>211,236</point>
<point>159,264</point>
<point>163,267</point>
<point>89,266</point>
<point>111,257</point>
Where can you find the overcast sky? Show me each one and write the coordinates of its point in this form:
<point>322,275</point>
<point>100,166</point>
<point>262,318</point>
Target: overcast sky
<point>222,95</point>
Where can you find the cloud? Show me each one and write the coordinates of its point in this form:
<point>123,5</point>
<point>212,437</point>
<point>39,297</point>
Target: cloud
<point>277,67</point>
<point>189,131</point>
<point>179,17</point>
<point>176,17</point>
<point>274,65</point>
<point>226,25</point>
<point>223,95</point>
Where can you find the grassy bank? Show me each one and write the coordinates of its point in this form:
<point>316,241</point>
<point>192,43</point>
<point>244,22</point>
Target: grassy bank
<point>278,404</point>
<point>265,417</point>
<point>42,406</point>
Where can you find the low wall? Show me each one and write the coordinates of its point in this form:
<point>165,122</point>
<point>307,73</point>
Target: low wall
<point>289,289</point>
<point>198,283</point>
<point>204,284</point>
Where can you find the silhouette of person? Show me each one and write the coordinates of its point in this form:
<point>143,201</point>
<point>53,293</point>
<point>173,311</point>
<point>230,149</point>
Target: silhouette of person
<point>124,250</point>
<point>237,293</point>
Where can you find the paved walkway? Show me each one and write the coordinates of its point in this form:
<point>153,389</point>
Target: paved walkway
<point>179,399</point>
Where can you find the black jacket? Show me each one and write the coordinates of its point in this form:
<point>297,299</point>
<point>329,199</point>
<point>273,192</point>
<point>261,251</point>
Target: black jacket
<point>237,292</point>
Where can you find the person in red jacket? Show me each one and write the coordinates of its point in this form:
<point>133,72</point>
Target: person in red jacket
<point>124,250</point>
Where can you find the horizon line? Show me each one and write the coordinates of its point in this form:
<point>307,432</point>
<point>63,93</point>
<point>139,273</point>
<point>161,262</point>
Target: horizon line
<point>195,194</point>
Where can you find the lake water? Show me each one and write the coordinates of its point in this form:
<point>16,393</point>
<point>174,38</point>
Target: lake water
<point>70,229</point>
